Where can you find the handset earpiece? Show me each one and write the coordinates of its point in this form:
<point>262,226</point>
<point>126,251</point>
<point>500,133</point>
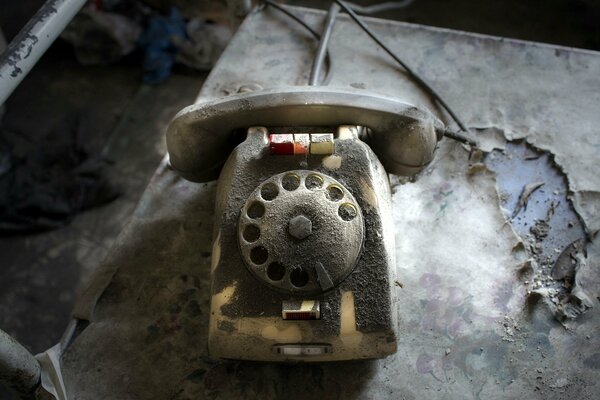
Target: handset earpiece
<point>199,138</point>
<point>407,149</point>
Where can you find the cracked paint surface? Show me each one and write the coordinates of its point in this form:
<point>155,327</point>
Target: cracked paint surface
<point>548,225</point>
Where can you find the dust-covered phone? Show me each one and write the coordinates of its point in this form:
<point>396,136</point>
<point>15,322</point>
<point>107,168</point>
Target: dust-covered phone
<point>303,260</point>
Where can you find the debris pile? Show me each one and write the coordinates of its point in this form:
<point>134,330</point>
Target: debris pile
<point>106,32</point>
<point>45,183</point>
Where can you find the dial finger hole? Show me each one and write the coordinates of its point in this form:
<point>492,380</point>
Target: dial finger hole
<point>251,233</point>
<point>255,210</point>
<point>313,182</point>
<point>334,193</point>
<point>299,277</point>
<point>290,182</point>
<point>269,191</point>
<point>275,271</point>
<point>347,212</point>
<point>259,255</point>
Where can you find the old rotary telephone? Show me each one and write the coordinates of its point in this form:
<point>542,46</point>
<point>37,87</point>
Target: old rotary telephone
<point>303,258</point>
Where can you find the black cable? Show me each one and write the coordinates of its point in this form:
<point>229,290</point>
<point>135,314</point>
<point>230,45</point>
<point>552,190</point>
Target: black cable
<point>293,16</point>
<point>448,133</point>
<point>459,138</point>
<point>315,72</point>
<point>414,75</point>
<point>308,28</point>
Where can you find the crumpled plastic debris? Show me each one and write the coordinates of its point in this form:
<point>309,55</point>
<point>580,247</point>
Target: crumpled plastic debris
<point>104,34</point>
<point>101,37</point>
<point>44,184</point>
<point>158,42</point>
<point>206,41</point>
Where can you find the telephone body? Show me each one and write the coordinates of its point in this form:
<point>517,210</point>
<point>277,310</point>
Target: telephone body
<point>303,260</point>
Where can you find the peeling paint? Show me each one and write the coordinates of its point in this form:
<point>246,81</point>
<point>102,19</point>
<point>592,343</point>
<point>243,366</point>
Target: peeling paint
<point>548,227</point>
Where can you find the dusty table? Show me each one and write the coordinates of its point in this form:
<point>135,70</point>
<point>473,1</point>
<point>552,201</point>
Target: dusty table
<point>477,307</point>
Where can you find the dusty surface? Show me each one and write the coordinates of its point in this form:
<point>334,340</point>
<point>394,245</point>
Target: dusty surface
<point>461,340</point>
<point>566,23</point>
<point>469,324</point>
<point>108,93</point>
<point>41,274</point>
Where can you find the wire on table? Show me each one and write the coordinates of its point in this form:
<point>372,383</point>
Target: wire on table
<point>414,75</point>
<point>315,34</point>
<point>351,9</point>
<point>315,72</point>
<point>460,137</point>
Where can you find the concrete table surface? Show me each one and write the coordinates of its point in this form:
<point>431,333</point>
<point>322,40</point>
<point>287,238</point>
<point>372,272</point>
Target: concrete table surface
<point>480,314</point>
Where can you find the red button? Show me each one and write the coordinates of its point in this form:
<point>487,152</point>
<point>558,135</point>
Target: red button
<point>282,144</point>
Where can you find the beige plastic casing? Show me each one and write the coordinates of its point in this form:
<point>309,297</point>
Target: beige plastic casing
<point>253,338</point>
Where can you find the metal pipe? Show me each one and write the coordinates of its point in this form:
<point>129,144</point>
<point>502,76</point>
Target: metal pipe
<point>32,42</point>
<point>19,370</point>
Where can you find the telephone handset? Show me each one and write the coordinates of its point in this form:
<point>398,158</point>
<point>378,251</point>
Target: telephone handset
<point>200,137</point>
<point>303,261</point>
